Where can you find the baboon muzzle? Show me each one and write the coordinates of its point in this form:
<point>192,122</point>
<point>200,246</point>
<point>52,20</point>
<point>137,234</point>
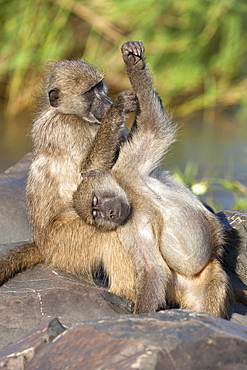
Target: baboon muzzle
<point>115,210</point>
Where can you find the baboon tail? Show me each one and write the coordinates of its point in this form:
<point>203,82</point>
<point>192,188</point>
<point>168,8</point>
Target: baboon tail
<point>18,259</point>
<point>241,296</point>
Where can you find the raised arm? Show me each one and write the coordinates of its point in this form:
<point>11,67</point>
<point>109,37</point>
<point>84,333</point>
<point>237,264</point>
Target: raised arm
<point>154,132</point>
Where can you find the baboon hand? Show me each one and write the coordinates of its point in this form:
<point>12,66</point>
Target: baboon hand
<point>133,54</point>
<point>127,102</point>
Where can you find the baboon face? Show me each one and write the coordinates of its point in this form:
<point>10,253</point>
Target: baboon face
<point>74,87</point>
<point>98,204</point>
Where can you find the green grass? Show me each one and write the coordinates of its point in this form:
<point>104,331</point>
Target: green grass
<point>207,188</point>
<point>197,48</point>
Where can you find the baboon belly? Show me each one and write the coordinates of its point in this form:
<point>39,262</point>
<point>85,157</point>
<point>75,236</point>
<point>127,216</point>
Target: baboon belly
<point>186,236</point>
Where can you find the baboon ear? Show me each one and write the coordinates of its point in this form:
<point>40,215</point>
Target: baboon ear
<point>54,97</point>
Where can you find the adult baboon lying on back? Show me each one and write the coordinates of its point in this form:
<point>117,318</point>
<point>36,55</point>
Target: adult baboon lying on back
<point>173,240</point>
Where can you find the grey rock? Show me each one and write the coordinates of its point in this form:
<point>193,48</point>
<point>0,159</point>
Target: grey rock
<point>41,293</point>
<point>14,225</point>
<point>17,355</point>
<point>166,340</point>
<point>235,225</point>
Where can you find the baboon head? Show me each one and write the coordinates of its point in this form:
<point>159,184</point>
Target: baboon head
<point>97,204</point>
<point>75,87</point>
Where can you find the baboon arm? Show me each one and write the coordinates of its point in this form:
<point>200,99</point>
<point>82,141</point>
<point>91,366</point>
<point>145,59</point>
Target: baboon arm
<point>103,151</point>
<point>21,258</point>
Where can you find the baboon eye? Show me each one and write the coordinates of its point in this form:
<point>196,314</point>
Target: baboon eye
<point>89,93</point>
<point>90,89</point>
<point>100,86</point>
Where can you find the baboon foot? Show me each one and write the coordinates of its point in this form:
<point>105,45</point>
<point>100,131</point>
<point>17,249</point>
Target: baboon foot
<point>133,54</point>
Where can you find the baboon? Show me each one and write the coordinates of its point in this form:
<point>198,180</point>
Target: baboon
<point>175,243</point>
<point>74,116</point>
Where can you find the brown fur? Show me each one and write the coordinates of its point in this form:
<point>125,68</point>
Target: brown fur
<point>64,135</point>
<point>174,241</point>
<point>168,246</point>
<point>23,257</point>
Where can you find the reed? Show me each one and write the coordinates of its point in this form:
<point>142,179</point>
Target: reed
<point>210,187</point>
<point>197,48</point>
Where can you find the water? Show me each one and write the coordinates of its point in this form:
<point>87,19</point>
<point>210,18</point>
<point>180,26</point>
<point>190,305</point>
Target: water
<point>14,138</point>
<point>217,144</point>
<point>219,147</point>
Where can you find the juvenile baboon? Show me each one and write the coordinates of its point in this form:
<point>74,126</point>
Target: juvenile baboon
<point>174,241</point>
<point>74,117</point>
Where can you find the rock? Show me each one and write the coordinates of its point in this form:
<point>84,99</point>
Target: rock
<point>41,293</point>
<point>235,258</point>
<point>17,355</point>
<point>171,339</point>
<point>14,224</point>
<point>235,225</point>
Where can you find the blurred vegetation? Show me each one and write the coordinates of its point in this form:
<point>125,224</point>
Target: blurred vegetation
<point>197,48</point>
<point>207,187</point>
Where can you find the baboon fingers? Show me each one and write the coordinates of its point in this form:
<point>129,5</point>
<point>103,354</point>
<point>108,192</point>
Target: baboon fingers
<point>127,101</point>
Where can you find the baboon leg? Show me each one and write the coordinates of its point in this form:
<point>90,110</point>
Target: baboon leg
<point>152,277</point>
<point>153,133</point>
<point>119,269</point>
<point>209,291</point>
<point>98,255</point>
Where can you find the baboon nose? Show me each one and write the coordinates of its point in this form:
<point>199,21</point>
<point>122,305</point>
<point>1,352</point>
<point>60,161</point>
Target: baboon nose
<point>117,211</point>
